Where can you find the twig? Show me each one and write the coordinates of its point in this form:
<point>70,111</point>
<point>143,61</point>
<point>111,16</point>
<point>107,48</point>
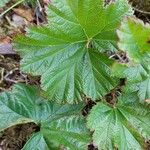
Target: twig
<point>6,77</point>
<point>39,5</point>
<point>2,75</point>
<point>141,11</point>
<point>11,72</point>
<point>2,89</point>
<point>7,10</point>
<point>13,81</point>
<point>10,80</point>
<point>112,56</point>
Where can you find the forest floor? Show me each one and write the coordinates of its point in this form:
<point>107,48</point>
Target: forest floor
<point>13,23</point>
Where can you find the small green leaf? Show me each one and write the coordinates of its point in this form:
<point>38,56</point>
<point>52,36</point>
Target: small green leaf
<point>134,39</point>
<point>36,142</point>
<point>60,124</point>
<point>125,126</point>
<point>62,51</point>
<point>138,78</point>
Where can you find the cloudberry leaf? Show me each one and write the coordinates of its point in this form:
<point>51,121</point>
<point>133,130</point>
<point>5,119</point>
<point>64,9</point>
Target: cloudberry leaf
<point>64,52</point>
<point>124,126</point>
<point>60,124</point>
<point>134,39</point>
<point>138,78</point>
<point>38,142</point>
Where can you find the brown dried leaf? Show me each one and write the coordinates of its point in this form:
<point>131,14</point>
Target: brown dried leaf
<point>46,1</point>
<point>25,13</point>
<point>147,101</point>
<point>6,49</point>
<point>5,40</point>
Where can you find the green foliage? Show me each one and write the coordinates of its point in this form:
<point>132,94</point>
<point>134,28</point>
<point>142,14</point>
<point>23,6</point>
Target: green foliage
<point>123,126</point>
<point>70,54</point>
<point>134,39</point>
<point>3,3</point>
<point>126,124</point>
<point>67,53</point>
<point>36,142</point>
<point>138,78</point>
<point>61,124</point>
<point>31,2</point>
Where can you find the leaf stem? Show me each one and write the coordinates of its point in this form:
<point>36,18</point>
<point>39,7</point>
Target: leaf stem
<point>7,10</point>
<point>141,11</point>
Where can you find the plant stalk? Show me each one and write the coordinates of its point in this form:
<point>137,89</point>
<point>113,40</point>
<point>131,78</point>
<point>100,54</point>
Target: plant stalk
<point>19,2</point>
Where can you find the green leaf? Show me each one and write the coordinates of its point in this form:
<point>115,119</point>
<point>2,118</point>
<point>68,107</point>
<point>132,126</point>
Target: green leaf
<point>138,78</point>
<point>124,126</point>
<point>62,51</point>
<point>31,2</point>
<point>60,124</point>
<point>97,75</point>
<point>67,131</point>
<point>134,39</point>
<point>36,142</point>
<point>3,3</point>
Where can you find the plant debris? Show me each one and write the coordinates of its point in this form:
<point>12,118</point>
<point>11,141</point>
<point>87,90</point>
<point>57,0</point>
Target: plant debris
<point>92,147</point>
<point>15,22</point>
<point>10,73</point>
<point>15,137</point>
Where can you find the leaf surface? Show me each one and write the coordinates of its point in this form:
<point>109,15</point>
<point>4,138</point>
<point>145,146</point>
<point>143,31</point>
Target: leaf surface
<point>138,78</point>
<point>24,104</point>
<point>134,39</point>
<point>61,51</point>
<point>36,142</point>
<point>126,126</point>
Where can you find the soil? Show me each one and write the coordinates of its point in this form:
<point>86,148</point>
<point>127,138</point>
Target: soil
<point>142,9</point>
<point>92,147</point>
<point>15,137</point>
<point>10,73</point>
<point>11,24</point>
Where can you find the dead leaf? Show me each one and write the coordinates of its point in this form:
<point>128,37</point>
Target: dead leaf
<point>5,40</point>
<point>148,101</point>
<point>25,13</point>
<point>18,20</point>
<point>46,1</point>
<point>6,49</point>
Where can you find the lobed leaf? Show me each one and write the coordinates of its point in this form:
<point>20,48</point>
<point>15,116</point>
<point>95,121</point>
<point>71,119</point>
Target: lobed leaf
<point>60,124</point>
<point>138,78</point>
<point>65,51</point>
<point>36,142</point>
<point>134,39</point>
<point>125,126</point>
